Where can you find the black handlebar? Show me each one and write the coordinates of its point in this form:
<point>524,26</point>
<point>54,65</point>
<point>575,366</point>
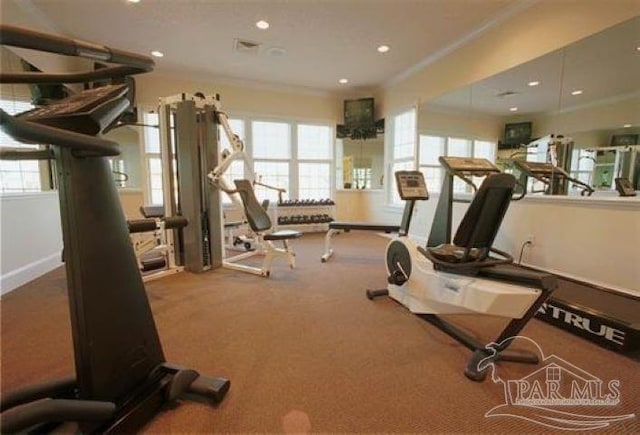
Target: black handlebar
<point>38,133</point>
<point>127,63</point>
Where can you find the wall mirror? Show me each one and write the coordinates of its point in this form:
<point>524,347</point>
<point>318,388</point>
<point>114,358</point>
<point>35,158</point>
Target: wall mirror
<point>360,163</point>
<point>587,92</point>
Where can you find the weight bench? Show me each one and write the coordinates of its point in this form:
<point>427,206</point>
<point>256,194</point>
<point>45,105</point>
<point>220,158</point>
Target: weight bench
<point>260,223</point>
<point>336,227</point>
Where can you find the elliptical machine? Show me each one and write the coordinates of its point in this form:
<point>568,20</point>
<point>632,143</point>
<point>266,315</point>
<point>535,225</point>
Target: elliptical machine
<point>463,277</point>
<point>122,378</point>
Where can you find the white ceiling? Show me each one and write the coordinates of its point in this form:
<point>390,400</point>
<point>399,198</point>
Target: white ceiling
<point>606,66</point>
<point>325,40</point>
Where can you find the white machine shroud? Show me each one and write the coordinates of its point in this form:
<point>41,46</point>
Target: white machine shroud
<point>432,292</point>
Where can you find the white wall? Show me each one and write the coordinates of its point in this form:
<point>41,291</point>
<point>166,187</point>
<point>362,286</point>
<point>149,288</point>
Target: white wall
<point>451,123</point>
<point>540,28</point>
<point>592,239</point>
<point>362,206</point>
<point>244,98</point>
<point>30,237</point>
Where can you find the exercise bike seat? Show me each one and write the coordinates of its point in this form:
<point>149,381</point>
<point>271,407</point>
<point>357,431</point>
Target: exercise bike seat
<point>283,235</point>
<point>452,253</point>
<point>474,238</point>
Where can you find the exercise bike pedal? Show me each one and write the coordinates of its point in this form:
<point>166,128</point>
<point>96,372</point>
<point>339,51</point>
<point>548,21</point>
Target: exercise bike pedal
<point>211,388</point>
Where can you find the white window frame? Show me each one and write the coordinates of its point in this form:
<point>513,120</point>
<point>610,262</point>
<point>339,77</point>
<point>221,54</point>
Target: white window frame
<point>328,160</point>
<point>459,186</point>
<point>8,103</point>
<point>147,157</point>
<point>410,160</point>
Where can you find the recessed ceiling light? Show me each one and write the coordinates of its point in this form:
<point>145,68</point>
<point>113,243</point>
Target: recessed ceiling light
<point>157,53</point>
<point>627,126</point>
<point>383,48</point>
<point>576,92</point>
<point>133,1</point>
<point>276,51</point>
<point>343,81</point>
<point>534,83</point>
<point>262,24</point>
<point>513,109</point>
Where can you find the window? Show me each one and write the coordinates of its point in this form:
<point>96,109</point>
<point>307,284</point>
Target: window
<point>314,180</point>
<point>315,153</point>
<point>285,154</point>
<point>314,142</point>
<point>403,147</point>
<point>274,174</point>
<point>236,169</point>
<point>432,147</point>
<point>18,175</point>
<point>582,162</point>
<point>271,140</point>
<point>362,178</point>
<point>153,160</point>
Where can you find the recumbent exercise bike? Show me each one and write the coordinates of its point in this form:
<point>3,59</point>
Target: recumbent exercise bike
<point>463,277</point>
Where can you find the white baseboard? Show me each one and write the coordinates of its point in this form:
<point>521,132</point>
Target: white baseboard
<point>14,279</point>
<point>593,282</point>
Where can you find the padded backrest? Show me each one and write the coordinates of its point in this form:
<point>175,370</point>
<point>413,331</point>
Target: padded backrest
<point>152,211</point>
<point>481,223</point>
<point>256,215</point>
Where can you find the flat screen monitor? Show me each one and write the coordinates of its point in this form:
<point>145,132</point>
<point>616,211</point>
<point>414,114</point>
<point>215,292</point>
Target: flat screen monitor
<point>359,113</point>
<point>517,133</point>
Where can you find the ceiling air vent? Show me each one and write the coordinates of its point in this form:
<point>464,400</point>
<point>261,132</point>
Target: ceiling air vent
<point>244,46</point>
<point>506,94</point>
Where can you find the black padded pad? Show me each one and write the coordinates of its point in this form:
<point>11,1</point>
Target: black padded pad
<point>283,235</point>
<point>453,254</point>
<point>153,263</point>
<point>146,225</point>
<point>361,226</point>
<point>481,222</point>
<point>174,222</point>
<point>257,216</point>
<point>141,225</point>
<point>152,211</point>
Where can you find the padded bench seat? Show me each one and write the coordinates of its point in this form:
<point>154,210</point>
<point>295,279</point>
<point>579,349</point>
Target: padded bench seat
<point>361,226</point>
<point>283,235</point>
<point>336,227</point>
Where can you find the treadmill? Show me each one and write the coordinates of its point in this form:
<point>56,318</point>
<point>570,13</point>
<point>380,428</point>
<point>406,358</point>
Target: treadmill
<point>554,178</point>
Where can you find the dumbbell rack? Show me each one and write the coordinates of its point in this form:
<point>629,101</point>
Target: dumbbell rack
<point>305,216</point>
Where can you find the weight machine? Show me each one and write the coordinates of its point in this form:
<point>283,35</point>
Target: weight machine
<point>189,147</point>
<point>189,139</point>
